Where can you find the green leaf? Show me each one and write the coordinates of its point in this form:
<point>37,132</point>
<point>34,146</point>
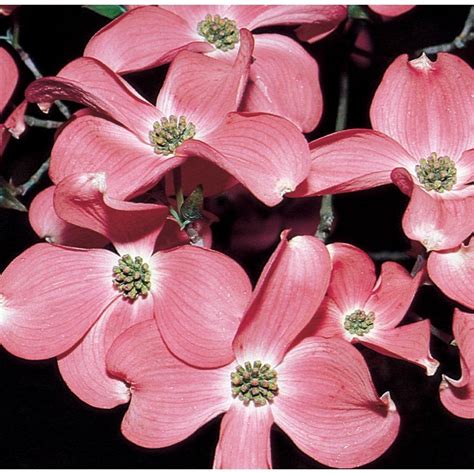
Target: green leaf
<point>109,11</point>
<point>358,12</point>
<point>192,206</point>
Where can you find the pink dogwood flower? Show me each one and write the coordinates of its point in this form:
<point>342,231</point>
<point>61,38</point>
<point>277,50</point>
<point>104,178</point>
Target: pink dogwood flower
<point>422,141</point>
<point>362,309</point>
<point>194,117</point>
<point>284,77</point>
<point>458,395</point>
<point>72,303</point>
<point>319,392</point>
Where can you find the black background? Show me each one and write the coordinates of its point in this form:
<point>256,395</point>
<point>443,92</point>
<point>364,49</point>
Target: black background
<point>43,425</point>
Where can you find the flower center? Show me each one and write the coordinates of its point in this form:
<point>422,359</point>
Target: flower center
<point>359,322</point>
<point>221,32</point>
<point>169,133</point>
<point>255,383</point>
<point>437,173</point>
<point>132,277</point>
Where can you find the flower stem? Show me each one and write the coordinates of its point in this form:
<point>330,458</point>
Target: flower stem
<point>36,122</point>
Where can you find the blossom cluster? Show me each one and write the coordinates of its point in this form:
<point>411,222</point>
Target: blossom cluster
<point>127,292</point>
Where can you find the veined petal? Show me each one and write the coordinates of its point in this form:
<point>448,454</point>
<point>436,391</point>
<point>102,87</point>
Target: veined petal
<point>90,144</point>
<point>9,77</point>
<point>453,273</point>
<point>440,121</point>
<point>410,342</point>
<point>352,160</point>
<point>284,80</point>
<point>83,368</point>
<point>15,123</point>
<point>49,226</point>
<point>194,14</point>
<point>91,83</point>
<point>328,405</point>
<point>244,440</point>
<point>161,414</point>
<point>288,293</point>
<point>266,153</point>
<point>81,199</point>
<point>143,38</point>
<point>200,298</point>
<point>392,295</point>
<point>322,27</point>
<point>52,296</point>
<point>458,395</point>
<point>204,89</point>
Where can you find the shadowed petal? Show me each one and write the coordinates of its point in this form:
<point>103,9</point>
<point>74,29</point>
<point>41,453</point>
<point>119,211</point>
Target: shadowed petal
<point>391,10</point>
<point>15,123</point>
<point>53,295</point>
<point>161,414</point>
<point>200,298</point>
<point>328,406</point>
<point>323,26</point>
<point>8,77</point>
<point>284,81</point>
<point>244,440</point>
<point>288,293</point>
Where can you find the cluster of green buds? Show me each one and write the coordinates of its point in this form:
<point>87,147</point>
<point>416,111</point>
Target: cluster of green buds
<point>437,173</point>
<point>359,322</point>
<point>132,277</point>
<point>223,33</point>
<point>169,133</point>
<point>255,383</point>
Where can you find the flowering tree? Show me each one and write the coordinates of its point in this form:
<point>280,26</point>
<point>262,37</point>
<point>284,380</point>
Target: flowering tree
<point>212,258</point>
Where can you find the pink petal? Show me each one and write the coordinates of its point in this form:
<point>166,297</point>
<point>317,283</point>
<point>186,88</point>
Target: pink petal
<point>465,169</point>
<point>200,298</point>
<point>49,226</point>
<point>8,77</point>
<point>458,395</point>
<point>244,440</point>
<point>328,406</point>
<point>194,14</point>
<point>4,138</point>
<point>15,122</point>
<point>391,10</point>
<point>53,295</point>
<point>453,273</point>
<point>266,153</point>
<point>284,81</point>
<point>418,120</point>
<point>204,89</point>
<point>161,414</point>
<point>392,295</point>
<point>438,221</point>
<point>143,38</point>
<point>7,9</point>
<point>94,85</point>
<point>319,29</point>
<point>410,342</point>
<point>288,293</point>
<point>92,144</point>
<point>83,368</point>
<point>352,160</point>
<point>81,199</point>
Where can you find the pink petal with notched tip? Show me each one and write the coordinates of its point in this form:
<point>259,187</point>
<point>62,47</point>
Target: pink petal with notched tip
<point>81,199</point>
<point>48,225</point>
<point>143,38</point>
<point>410,342</point>
<point>288,292</point>
<point>53,295</point>
<point>15,122</point>
<point>352,160</point>
<point>458,395</point>
<point>9,77</point>
<point>266,153</point>
<point>204,89</point>
<point>438,220</point>
<point>284,80</point>
<point>328,405</point>
<point>391,10</point>
<point>92,144</point>
<point>244,440</point>
<point>426,106</point>
<point>91,83</point>
<point>200,298</point>
<point>453,273</point>
<point>83,368</point>
<point>170,400</point>
<point>392,296</point>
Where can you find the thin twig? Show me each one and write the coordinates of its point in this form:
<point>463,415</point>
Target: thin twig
<point>36,122</point>
<point>387,255</point>
<point>25,187</point>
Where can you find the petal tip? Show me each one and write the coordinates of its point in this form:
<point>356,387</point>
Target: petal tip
<point>431,366</point>
<point>387,400</point>
<point>423,63</point>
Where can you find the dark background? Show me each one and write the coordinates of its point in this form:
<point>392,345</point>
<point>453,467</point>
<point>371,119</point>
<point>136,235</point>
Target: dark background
<point>43,425</point>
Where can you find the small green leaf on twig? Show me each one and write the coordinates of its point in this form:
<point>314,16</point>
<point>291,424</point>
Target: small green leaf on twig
<point>192,206</point>
<point>358,12</point>
<point>8,199</point>
<point>109,11</point>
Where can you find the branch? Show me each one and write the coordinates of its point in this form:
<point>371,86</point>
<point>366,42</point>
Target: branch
<point>25,187</point>
<point>36,122</point>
